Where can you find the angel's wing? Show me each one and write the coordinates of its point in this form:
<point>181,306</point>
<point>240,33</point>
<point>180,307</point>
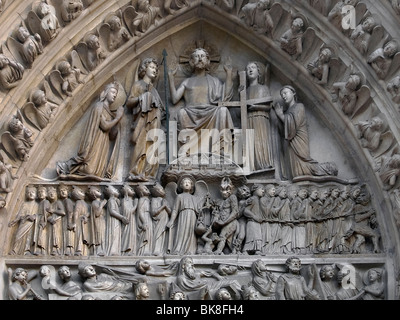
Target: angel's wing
<point>31,115</point>
<point>15,47</point>
<point>311,44</point>
<point>76,62</point>
<point>363,101</point>
<point>128,15</point>
<point>387,140</point>
<point>201,189</point>
<point>34,25</point>
<point>171,193</point>
<point>50,94</point>
<point>9,142</point>
<point>276,13</point>
<point>377,35</point>
<point>336,70</point>
<point>82,50</point>
<point>104,36</point>
<point>361,10</point>
<point>56,82</point>
<point>394,67</point>
<point>132,75</point>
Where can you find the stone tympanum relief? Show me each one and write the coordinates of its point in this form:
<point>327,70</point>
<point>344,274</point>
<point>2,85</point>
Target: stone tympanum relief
<point>189,168</point>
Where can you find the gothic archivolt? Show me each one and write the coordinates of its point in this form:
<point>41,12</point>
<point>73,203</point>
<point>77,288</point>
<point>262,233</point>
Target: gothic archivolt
<point>83,84</point>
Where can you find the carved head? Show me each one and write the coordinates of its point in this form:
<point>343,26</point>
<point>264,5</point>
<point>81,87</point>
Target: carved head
<point>226,187</point>
<point>142,191</point>
<point>149,67</point>
<point>15,125</point>
<point>22,34</point>
<point>115,23</point>
<point>64,272</point>
<point>142,291</point>
<point>200,59</point>
<point>143,5</point>
<point>288,94</point>
<point>142,266</point>
<point>263,4</point>
<point>65,68</point>
<point>42,10</point>
<point>255,69</point>
<point>39,98</point>
<point>127,190</point>
<point>19,274</point>
<point>390,48</point>
<point>157,190</point>
<point>186,183</point>
<point>110,92</point>
<point>223,294</point>
<point>327,272</point>
<point>42,192</point>
<point>244,192</point>
<point>93,42</point>
<point>293,265</point>
<point>282,192</point>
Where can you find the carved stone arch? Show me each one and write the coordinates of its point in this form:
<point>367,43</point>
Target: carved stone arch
<point>196,23</point>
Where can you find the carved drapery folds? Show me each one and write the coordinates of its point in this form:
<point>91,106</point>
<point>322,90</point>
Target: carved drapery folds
<point>109,200</point>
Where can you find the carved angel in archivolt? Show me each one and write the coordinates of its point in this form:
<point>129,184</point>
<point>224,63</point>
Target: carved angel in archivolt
<point>17,140</point>
<point>90,51</point>
<point>362,34</point>
<point>68,10</point>
<point>42,19</point>
<point>113,33</point>
<point>353,96</point>
<point>388,167</point>
<point>6,175</point>
<point>65,79</point>
<point>374,136</point>
<point>258,16</point>
<point>385,60</point>
<point>38,110</point>
<point>25,46</point>
<point>292,40</point>
<point>140,16</point>
<point>11,72</point>
<point>393,88</point>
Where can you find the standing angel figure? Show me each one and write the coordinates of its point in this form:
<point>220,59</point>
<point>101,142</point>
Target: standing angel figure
<point>188,202</point>
<point>147,108</point>
<point>97,153</point>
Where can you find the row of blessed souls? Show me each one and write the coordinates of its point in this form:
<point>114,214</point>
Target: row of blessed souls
<point>352,94</point>
<point>183,281</point>
<point>145,221</point>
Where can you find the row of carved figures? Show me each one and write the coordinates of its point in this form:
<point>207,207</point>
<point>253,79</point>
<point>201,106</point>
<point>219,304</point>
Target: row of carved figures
<point>353,96</point>
<point>184,218</point>
<point>264,16</point>
<point>183,281</point>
